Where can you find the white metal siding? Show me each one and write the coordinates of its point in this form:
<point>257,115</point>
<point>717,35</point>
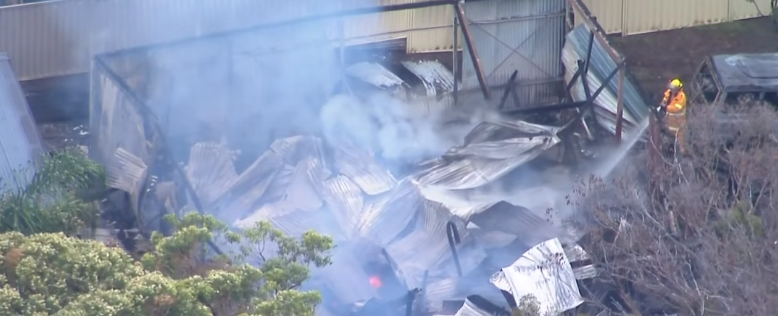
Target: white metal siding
<point>57,38</point>
<point>638,16</point>
<point>20,142</point>
<point>514,35</point>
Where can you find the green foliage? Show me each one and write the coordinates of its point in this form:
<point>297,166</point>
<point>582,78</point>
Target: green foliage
<point>52,201</point>
<point>48,274</point>
<point>740,217</point>
<point>528,305</point>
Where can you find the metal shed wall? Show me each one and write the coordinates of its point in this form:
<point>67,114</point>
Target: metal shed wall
<point>56,38</point>
<point>512,35</point>
<point>20,143</point>
<point>630,17</point>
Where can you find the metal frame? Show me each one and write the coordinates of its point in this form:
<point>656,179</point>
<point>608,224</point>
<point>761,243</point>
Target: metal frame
<point>154,123</point>
<point>480,75</point>
<point>707,62</point>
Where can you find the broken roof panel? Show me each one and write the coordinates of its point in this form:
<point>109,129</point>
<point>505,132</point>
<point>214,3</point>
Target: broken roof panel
<point>375,74</point>
<point>20,142</point>
<point>544,272</point>
<point>386,217</point>
<point>210,170</point>
<point>476,305</point>
<point>491,150</point>
<point>747,72</point>
<point>437,79</point>
<point>601,65</point>
<point>345,201</point>
<point>360,166</point>
<point>461,288</point>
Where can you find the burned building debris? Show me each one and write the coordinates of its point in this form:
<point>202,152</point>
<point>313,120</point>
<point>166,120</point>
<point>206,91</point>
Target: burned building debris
<point>421,185</point>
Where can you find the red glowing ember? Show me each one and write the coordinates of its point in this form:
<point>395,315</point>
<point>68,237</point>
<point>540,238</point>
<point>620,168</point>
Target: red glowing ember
<point>375,282</point>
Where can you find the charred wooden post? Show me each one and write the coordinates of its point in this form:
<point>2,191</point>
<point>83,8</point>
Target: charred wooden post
<point>479,71</point>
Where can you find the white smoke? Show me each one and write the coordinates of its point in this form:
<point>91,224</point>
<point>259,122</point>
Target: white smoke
<point>394,129</point>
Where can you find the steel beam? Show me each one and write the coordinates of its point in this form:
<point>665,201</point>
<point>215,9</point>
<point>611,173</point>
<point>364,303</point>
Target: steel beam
<point>508,90</point>
<point>455,59</point>
<point>479,71</point>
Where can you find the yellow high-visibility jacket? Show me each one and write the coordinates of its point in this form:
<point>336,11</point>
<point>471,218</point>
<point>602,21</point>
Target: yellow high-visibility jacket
<point>676,109</point>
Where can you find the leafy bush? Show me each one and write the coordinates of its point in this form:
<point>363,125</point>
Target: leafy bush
<point>48,274</point>
<point>51,202</point>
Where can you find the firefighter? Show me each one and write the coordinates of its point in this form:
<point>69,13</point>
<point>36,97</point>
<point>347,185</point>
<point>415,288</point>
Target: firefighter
<point>674,105</point>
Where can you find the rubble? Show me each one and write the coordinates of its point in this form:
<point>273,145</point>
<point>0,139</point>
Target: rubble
<point>301,184</point>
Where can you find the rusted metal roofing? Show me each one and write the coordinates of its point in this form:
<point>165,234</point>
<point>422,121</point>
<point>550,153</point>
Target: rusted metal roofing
<point>20,143</point>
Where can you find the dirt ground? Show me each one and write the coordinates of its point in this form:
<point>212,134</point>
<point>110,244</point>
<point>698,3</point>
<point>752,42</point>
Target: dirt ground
<point>655,58</point>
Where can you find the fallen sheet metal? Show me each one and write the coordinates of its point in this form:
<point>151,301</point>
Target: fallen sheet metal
<point>544,272</point>
<point>517,221</point>
<point>601,65</point>
<point>346,202</point>
<point>385,218</point>
<point>210,170</point>
<point>126,172</point>
<point>437,79</point>
<point>360,166</point>
<point>300,192</point>
<point>478,306</point>
<point>453,289</point>
<point>377,75</point>
<point>491,150</point>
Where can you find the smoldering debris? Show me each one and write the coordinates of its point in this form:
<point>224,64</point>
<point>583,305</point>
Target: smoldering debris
<point>305,183</point>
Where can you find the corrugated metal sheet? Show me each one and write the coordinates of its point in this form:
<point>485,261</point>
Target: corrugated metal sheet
<point>742,9</point>
<point>635,16</point>
<point>121,144</point>
<point>545,272</point>
<point>609,13</point>
<point>602,64</point>
<point>517,35</point>
<point>649,16</point>
<point>20,143</point>
<point>432,30</point>
<point>377,26</point>
<point>68,33</point>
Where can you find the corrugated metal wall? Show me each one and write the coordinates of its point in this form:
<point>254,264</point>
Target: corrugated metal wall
<point>518,35</point>
<point>57,38</point>
<point>630,17</point>
<point>20,142</point>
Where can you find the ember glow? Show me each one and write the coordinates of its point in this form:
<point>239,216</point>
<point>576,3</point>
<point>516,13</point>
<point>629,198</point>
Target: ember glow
<point>375,282</point>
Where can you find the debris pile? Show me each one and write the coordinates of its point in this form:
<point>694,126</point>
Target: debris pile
<point>304,183</point>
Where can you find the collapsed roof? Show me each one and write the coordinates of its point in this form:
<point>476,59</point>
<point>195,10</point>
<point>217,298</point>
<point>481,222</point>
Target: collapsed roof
<point>301,183</point>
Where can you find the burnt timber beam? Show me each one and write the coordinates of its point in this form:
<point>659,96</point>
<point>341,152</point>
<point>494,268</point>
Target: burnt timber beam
<point>479,71</point>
